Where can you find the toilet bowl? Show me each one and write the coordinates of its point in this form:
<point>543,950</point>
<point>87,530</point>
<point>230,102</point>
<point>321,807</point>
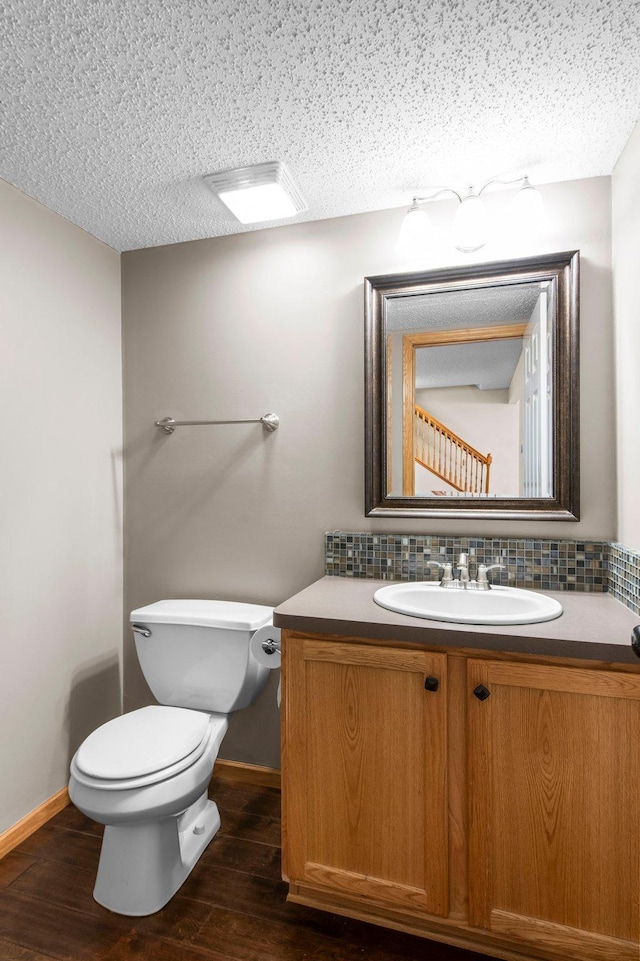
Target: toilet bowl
<point>145,775</point>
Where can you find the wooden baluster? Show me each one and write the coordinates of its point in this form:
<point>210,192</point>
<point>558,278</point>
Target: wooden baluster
<point>429,440</point>
<point>489,460</point>
<point>426,440</point>
<point>434,439</point>
<point>444,471</point>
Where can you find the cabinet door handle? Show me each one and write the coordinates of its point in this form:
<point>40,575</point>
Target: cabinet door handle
<point>431,683</point>
<point>481,692</point>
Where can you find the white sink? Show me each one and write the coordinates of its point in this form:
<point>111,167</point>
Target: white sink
<point>499,605</point>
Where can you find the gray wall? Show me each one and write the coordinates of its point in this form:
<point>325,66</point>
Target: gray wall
<point>61,520</point>
<point>273,321</point>
<point>626,260</point>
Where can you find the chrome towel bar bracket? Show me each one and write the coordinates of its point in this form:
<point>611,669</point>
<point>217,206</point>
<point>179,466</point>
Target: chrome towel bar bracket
<point>270,422</point>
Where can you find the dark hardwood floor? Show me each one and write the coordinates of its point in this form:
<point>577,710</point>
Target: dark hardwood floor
<point>233,906</point>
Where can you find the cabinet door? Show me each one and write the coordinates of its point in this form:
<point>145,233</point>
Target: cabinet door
<point>554,795</point>
<point>364,772</point>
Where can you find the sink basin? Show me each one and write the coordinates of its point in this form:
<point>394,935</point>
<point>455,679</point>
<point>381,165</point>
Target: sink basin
<point>499,605</point>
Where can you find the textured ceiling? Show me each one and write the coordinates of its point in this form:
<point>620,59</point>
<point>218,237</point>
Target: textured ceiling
<point>113,111</point>
<point>488,366</point>
<point>476,307</point>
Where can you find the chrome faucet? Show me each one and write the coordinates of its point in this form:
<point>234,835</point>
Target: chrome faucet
<point>463,567</point>
<point>464,582</point>
<point>482,583</point>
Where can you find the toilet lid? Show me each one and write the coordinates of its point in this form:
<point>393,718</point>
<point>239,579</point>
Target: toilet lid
<point>142,742</point>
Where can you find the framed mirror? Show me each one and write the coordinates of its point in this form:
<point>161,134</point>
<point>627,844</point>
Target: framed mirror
<point>472,391</point>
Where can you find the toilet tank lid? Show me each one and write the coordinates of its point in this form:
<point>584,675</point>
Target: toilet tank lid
<point>232,615</point>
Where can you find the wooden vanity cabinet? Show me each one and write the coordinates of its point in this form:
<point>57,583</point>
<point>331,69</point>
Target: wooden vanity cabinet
<point>484,801</point>
<point>364,799</point>
<point>553,791</point>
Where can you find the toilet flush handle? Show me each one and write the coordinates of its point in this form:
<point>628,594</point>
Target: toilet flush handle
<point>139,629</point>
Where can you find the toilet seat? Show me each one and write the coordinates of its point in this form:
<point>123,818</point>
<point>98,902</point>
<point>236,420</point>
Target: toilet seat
<point>144,747</point>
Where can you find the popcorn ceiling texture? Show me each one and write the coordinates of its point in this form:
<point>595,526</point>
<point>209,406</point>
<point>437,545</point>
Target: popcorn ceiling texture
<point>112,112</point>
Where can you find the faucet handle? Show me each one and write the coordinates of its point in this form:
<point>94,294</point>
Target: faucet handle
<point>483,570</point>
<point>447,575</point>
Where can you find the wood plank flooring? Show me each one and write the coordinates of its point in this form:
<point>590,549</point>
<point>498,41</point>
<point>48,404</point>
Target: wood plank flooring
<point>232,908</point>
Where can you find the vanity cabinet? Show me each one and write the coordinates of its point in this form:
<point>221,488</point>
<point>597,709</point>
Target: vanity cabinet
<point>490,802</point>
<point>553,789</point>
<point>365,807</point>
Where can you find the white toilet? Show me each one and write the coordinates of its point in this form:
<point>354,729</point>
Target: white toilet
<point>145,775</point>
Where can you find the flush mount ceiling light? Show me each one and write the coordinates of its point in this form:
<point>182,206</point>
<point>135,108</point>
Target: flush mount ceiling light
<point>470,223</point>
<point>254,194</point>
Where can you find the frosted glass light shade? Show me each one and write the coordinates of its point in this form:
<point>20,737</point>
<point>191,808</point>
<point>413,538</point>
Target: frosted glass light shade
<point>254,194</point>
<point>527,206</point>
<point>416,233</point>
<point>470,224</point>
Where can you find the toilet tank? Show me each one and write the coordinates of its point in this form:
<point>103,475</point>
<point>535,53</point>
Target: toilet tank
<point>196,654</point>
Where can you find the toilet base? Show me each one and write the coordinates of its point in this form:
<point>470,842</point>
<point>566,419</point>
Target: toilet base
<point>143,864</point>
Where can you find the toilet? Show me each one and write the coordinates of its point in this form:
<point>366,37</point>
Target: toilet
<point>145,775</point>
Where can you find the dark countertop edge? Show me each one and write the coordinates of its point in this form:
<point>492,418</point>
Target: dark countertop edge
<point>447,635</point>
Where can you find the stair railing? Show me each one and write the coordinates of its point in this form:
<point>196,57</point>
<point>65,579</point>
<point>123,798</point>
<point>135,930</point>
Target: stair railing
<point>449,457</point>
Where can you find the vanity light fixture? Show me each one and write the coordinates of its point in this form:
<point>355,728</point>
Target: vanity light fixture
<point>470,223</point>
<point>254,194</point>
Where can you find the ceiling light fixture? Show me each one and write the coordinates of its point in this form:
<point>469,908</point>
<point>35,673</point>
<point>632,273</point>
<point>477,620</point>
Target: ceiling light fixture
<point>470,223</point>
<point>255,194</point>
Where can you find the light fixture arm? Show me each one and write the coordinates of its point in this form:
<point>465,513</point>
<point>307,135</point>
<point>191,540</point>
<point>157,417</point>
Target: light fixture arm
<point>505,183</point>
<point>435,195</point>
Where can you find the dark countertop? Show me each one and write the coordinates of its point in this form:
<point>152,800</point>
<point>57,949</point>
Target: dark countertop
<point>592,626</point>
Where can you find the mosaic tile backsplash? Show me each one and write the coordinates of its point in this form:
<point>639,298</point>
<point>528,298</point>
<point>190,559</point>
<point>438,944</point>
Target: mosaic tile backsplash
<point>624,576</point>
<point>546,564</point>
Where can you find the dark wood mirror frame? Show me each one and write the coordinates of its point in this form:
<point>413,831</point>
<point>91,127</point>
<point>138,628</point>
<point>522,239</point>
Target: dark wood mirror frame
<point>561,270</point>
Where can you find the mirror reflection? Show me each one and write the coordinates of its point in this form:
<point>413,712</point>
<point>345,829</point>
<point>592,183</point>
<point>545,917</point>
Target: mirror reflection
<point>471,391</point>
